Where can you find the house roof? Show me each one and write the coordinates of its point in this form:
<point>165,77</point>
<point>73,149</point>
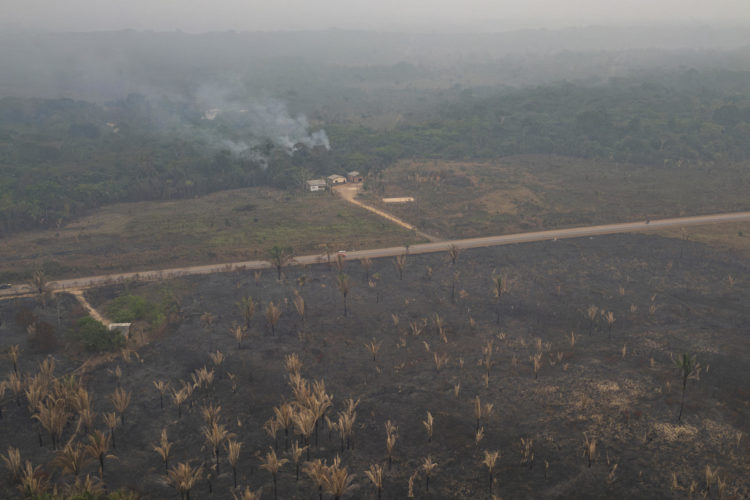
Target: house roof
<point>335,176</point>
<point>353,173</point>
<point>313,182</point>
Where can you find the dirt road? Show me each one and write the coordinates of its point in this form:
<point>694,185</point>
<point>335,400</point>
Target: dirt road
<point>348,192</point>
<point>441,246</point>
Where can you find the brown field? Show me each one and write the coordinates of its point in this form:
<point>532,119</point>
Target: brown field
<point>467,199</point>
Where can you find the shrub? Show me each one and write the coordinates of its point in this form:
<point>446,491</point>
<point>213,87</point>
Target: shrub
<point>128,308</point>
<point>96,337</point>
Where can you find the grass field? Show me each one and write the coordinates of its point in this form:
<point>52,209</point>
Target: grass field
<point>467,199</point>
<point>226,226</point>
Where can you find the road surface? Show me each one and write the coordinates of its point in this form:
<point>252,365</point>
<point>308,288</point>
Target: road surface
<point>441,246</point>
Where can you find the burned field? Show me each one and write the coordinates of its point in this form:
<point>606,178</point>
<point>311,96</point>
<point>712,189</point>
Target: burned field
<point>569,374</point>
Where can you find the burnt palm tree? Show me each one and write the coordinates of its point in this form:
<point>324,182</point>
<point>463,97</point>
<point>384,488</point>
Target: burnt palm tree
<point>497,290</point>
<point>400,263</point>
<point>98,448</point>
<point>273,314</point>
<point>342,282</point>
<point>121,401</point>
<point>163,449</point>
<point>72,458</point>
<point>53,416</point>
<point>489,461</point>
<point>272,464</point>
<point>162,388</point>
<point>233,456</point>
<point>183,478</point>
<point>246,305</point>
<point>375,475</point>
<point>688,367</point>
<point>215,435</point>
<point>366,263</point>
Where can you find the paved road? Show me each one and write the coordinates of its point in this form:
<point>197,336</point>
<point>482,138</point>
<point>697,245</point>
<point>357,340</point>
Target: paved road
<point>442,246</point>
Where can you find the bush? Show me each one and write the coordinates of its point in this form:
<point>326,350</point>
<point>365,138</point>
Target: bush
<point>128,308</point>
<point>96,337</point>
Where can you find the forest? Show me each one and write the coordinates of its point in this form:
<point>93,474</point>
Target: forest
<point>62,157</point>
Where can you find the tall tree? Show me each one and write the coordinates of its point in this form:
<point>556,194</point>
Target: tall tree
<point>688,366</point>
<point>280,257</point>
<point>342,282</point>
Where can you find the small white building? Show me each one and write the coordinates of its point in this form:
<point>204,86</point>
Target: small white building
<point>315,185</point>
<point>123,328</point>
<point>336,179</point>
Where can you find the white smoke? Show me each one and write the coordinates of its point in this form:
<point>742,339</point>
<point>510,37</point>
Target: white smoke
<point>265,119</point>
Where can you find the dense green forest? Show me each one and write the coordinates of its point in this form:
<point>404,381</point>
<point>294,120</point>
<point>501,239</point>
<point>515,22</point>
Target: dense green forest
<point>60,157</point>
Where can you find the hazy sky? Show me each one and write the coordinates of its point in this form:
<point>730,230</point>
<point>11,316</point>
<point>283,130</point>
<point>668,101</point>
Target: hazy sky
<point>425,15</point>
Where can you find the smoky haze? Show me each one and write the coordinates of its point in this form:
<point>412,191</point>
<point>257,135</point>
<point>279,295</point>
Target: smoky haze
<point>404,15</point>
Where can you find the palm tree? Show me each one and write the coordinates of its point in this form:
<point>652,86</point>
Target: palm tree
<point>428,424</point>
<point>316,471</point>
<point>162,388</point>
<point>428,466</point>
<point>121,401</point>
<point>33,481</point>
<point>498,289</point>
<point>304,421</point>
<point>453,252</point>
<point>179,397</point>
<point>273,314</point>
<point>272,427</point>
<point>299,306</point>
<point>591,314</point>
<point>373,347</point>
<point>375,475</point>
<point>272,464</point>
<point>286,416</point>
<point>215,434</point>
<point>391,435</point>
<point>233,456</point>
<point>338,480</point>
<point>248,494</point>
<point>688,367</point>
<point>71,459</point>
<point>13,353</point>
<point>110,420</point>
<point>53,416</point>
<point>589,448</point>
<point>490,459</point>
<point>400,263</point>
<point>98,448</point>
<point>296,453</point>
<point>163,449</point>
<point>183,477</point>
<point>13,463</point>
<point>280,257</point>
<point>342,282</point>
<point>366,263</point>
<point>238,333</point>
<point>246,306</point>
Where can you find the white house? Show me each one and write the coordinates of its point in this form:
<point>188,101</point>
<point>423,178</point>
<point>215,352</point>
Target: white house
<point>336,179</point>
<point>315,185</point>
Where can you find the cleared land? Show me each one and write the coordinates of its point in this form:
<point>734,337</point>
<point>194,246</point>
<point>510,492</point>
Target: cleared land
<point>227,226</point>
<point>525,193</point>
